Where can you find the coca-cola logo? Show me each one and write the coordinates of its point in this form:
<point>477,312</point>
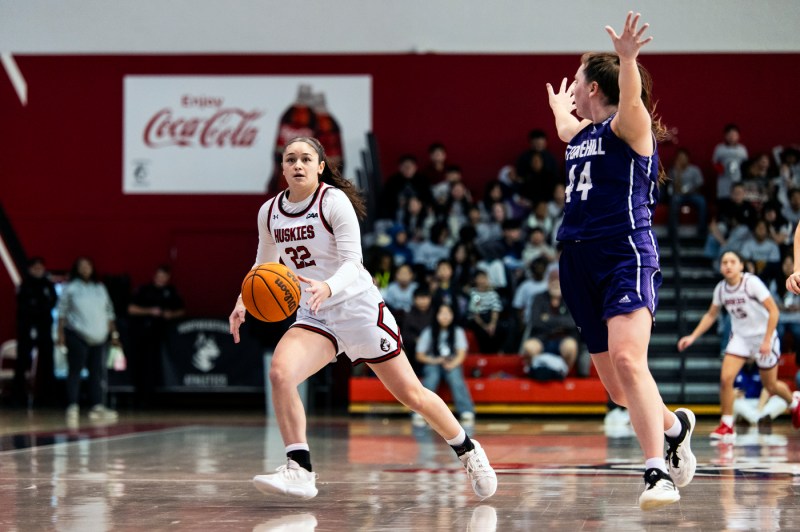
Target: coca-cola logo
<point>227,127</point>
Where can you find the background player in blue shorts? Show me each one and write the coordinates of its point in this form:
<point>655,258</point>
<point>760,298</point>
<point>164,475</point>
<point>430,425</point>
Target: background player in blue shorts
<point>609,265</point>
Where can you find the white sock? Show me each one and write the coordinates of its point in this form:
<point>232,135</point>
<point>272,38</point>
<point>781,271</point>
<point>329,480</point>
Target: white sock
<point>459,438</point>
<point>675,430</point>
<point>795,401</point>
<point>775,407</point>
<point>297,447</point>
<point>728,420</point>
<point>655,463</point>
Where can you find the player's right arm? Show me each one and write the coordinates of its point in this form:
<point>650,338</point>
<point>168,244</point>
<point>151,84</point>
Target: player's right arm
<point>267,252</point>
<point>708,319</point>
<point>563,103</point>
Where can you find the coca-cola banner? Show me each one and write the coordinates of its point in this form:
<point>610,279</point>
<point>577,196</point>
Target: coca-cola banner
<point>224,134</point>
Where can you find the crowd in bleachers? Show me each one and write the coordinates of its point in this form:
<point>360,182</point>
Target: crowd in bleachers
<point>488,253</point>
<point>485,253</point>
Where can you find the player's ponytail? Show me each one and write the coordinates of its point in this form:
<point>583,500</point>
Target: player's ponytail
<point>603,68</point>
<point>331,176</point>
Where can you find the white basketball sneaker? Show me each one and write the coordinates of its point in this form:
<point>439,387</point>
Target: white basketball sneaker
<point>659,490</point>
<point>680,458</point>
<point>290,479</point>
<point>480,473</point>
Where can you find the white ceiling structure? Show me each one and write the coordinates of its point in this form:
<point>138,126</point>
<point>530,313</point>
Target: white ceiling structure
<point>384,26</point>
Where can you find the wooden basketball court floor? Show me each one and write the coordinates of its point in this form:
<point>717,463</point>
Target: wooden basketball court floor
<point>190,471</point>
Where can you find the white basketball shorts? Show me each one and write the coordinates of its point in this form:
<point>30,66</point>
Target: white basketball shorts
<point>747,347</point>
<point>361,327</point>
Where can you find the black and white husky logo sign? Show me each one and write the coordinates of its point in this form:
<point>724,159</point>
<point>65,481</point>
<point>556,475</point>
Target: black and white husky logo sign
<point>384,345</point>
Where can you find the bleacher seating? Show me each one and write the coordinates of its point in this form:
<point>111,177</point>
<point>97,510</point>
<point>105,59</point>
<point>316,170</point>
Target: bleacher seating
<point>499,385</point>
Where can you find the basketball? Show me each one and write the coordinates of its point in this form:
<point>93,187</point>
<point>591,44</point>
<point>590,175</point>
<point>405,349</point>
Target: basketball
<point>271,292</point>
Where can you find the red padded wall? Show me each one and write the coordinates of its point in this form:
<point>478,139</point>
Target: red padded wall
<point>60,156</point>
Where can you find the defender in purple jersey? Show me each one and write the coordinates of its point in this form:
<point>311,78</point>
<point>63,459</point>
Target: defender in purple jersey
<point>609,264</point>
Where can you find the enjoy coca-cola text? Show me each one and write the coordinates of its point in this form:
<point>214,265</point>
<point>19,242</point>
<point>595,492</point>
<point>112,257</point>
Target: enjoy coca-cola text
<point>231,127</point>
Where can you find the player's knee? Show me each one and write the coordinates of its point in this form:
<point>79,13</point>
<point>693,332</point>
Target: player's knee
<point>627,366</point>
<point>414,397</point>
<point>726,380</point>
<point>279,377</point>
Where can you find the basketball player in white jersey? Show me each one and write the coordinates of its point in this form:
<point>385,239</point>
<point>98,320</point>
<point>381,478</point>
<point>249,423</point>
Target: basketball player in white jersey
<point>312,227</point>
<point>754,316</point>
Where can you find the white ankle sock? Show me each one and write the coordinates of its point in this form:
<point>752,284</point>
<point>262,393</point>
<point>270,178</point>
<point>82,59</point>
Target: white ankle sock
<point>794,403</point>
<point>675,430</point>
<point>656,463</point>
<point>297,447</point>
<point>728,420</point>
<point>458,439</point>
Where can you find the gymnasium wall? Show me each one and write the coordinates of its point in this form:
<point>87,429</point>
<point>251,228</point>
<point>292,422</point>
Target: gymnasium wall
<point>61,155</point>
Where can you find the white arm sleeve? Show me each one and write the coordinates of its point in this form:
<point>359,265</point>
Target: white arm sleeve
<point>340,214</point>
<point>267,249</point>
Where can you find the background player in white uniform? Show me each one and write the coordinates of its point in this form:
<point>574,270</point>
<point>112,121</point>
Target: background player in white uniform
<point>754,316</point>
<point>312,227</point>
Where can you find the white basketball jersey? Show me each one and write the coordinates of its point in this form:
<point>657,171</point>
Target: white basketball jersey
<point>745,303</point>
<point>307,245</point>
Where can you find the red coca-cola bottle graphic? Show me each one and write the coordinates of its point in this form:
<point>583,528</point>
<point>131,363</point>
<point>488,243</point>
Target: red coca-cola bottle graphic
<point>299,120</point>
<point>328,133</point>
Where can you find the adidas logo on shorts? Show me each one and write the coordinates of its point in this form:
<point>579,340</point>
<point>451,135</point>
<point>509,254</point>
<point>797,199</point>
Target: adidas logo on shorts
<point>625,299</point>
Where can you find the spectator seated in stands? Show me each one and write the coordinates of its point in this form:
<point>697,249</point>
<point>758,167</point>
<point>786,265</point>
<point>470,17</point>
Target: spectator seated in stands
<point>415,321</point>
<point>429,252</point>
<point>527,290</point>
<point>437,163</point>
<point>731,228</point>
<point>728,158</point>
<point>540,217</point>
<point>399,294</point>
<point>551,344</point>
<point>407,182</point>
<point>382,269</point>
<point>764,253</point>
<point>537,247</point>
<point>399,248</point>
<point>792,211</point>
<point>441,349</point>
<point>780,230</point>
<point>685,188</point>
<point>483,313</point>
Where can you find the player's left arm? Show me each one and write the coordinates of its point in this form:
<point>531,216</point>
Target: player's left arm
<point>347,232</point>
<point>633,122</point>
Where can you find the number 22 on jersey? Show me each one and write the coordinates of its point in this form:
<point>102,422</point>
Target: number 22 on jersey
<point>584,182</point>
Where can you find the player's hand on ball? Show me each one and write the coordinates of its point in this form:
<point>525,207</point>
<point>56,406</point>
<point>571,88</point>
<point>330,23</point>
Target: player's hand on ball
<point>236,319</point>
<point>319,290</point>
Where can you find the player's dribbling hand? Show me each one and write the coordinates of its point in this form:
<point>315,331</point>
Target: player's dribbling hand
<point>793,283</point>
<point>236,319</point>
<point>319,290</point>
<point>628,44</point>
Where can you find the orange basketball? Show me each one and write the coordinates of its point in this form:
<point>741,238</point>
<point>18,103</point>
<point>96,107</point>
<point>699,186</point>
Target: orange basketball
<point>271,292</point>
